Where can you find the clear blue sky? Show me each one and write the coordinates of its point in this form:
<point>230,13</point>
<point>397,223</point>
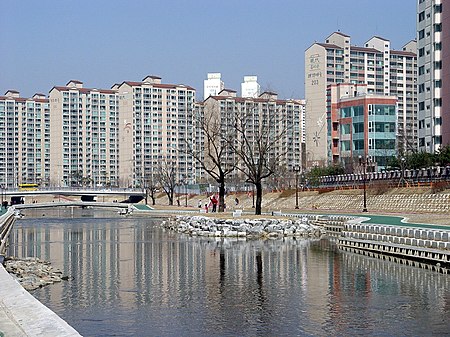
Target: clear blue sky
<point>100,42</point>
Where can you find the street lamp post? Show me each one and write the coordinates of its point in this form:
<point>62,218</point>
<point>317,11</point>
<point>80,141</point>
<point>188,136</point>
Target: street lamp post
<point>363,162</point>
<point>253,195</point>
<point>186,195</point>
<point>296,169</point>
<point>402,172</point>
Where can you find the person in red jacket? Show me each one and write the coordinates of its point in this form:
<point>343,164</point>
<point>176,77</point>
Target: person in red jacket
<point>214,203</point>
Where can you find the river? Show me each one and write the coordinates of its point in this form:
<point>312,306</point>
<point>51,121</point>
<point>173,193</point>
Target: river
<point>129,277</point>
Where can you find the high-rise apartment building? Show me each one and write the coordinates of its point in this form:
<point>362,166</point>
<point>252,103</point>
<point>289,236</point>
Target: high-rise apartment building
<point>155,127</point>
<point>361,124</point>
<point>433,44</point>
<point>385,71</point>
<point>445,54</point>
<point>265,109</point>
<point>250,87</point>
<point>84,136</point>
<point>25,135</point>
<point>212,85</point>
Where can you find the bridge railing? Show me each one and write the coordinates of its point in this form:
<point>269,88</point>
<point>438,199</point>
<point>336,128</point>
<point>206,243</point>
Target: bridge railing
<point>77,189</point>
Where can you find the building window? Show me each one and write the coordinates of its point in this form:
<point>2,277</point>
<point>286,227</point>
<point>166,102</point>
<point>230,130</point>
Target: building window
<point>421,70</point>
<point>358,127</point>
<point>358,144</point>
<point>438,27</point>
<point>421,16</point>
<point>386,110</point>
<point>437,102</point>
<point>421,34</point>
<point>384,144</point>
<point>345,129</point>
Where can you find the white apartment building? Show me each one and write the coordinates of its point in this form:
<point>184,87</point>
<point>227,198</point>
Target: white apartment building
<point>288,114</point>
<point>155,126</point>
<point>212,85</point>
<point>84,136</point>
<point>385,71</point>
<point>25,135</point>
<point>250,87</point>
<point>430,47</point>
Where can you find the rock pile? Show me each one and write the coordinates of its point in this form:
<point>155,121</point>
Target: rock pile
<point>250,228</point>
<point>33,273</point>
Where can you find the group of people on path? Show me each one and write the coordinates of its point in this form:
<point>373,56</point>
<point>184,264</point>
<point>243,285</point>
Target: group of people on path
<point>213,202</point>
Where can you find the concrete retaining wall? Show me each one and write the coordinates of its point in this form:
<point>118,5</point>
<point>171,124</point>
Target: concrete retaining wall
<point>23,315</point>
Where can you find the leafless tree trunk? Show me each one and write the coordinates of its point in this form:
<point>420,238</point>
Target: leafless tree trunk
<point>166,177</point>
<point>258,134</point>
<point>212,156</point>
<point>150,185</point>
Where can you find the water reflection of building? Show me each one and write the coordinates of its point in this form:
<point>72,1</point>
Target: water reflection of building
<point>129,265</point>
<point>107,262</point>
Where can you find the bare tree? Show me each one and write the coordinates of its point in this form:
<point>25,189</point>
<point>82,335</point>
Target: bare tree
<point>213,156</point>
<point>166,177</point>
<point>150,185</point>
<point>259,133</point>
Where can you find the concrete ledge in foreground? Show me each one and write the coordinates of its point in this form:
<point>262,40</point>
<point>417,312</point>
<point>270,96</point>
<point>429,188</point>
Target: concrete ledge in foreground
<point>23,315</point>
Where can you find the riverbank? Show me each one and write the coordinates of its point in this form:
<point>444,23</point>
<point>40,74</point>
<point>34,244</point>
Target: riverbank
<point>22,315</point>
<point>417,204</point>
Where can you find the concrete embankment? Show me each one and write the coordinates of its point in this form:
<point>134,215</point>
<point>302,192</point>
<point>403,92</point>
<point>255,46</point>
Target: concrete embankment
<point>23,315</point>
<point>421,247</point>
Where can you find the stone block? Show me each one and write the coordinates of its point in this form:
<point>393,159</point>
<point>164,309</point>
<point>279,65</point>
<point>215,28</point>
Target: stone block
<point>417,233</point>
<point>423,235</point>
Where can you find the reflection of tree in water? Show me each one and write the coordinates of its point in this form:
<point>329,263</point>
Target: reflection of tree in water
<point>248,273</point>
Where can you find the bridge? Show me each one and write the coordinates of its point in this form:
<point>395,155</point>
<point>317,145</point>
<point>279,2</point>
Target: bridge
<point>118,205</point>
<point>133,195</point>
<point>71,191</point>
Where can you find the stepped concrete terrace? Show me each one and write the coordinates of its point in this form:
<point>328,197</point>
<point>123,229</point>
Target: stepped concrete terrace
<point>418,204</point>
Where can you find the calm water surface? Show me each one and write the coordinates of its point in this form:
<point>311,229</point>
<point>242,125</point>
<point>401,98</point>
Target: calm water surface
<point>131,278</point>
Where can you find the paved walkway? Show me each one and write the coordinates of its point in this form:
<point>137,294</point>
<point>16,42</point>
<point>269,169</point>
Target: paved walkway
<point>399,221</point>
<point>23,315</point>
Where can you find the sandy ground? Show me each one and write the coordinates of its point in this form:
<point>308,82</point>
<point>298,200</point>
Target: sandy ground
<point>245,202</point>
